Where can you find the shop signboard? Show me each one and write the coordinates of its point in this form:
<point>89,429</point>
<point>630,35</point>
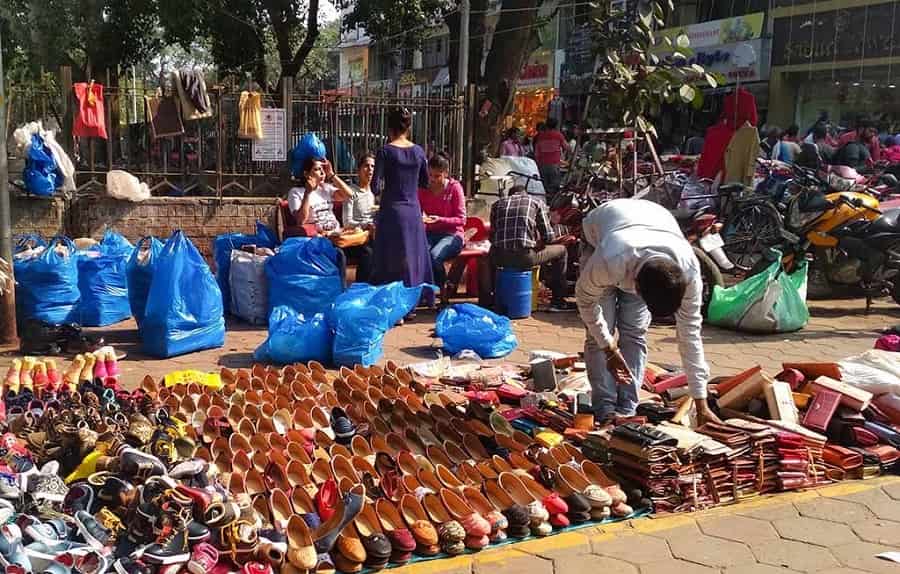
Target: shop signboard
<point>720,60</point>
<point>837,35</point>
<point>538,71</point>
<point>715,32</point>
<point>272,145</point>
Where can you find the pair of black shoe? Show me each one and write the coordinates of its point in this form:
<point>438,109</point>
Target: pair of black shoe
<point>41,338</point>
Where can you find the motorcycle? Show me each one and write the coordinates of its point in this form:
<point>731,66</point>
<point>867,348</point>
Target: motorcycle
<point>851,244</point>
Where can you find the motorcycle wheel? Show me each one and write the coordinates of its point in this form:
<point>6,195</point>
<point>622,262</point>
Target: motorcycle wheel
<point>711,275</point>
<point>749,231</point>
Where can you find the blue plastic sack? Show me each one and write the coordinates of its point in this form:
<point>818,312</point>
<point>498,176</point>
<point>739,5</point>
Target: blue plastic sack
<point>223,245</point>
<point>468,326</point>
<point>363,314</point>
<point>41,174</point>
<point>47,285</point>
<point>304,275</point>
<point>103,282</point>
<point>139,273</point>
<point>309,146</point>
<point>184,306</point>
<point>295,338</point>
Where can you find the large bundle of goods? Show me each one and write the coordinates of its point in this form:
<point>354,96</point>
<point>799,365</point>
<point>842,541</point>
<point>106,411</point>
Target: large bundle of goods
<point>223,246</point>
<point>103,283</point>
<point>184,305</point>
<point>46,280</point>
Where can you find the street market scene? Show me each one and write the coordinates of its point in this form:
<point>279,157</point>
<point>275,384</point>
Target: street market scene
<point>449,286</point>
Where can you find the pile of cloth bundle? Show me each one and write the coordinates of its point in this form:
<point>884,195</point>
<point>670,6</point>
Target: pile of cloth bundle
<point>271,470</point>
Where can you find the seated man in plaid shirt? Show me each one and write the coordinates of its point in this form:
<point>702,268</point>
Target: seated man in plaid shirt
<point>522,238</point>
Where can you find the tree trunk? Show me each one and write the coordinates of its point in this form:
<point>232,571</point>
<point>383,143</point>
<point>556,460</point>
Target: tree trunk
<point>476,43</point>
<point>501,71</point>
<point>293,63</point>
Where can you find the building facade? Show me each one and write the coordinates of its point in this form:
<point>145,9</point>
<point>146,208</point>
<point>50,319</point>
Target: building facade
<point>836,57</point>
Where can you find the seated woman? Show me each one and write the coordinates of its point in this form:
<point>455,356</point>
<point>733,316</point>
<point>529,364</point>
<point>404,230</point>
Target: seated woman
<point>359,213</point>
<point>314,202</point>
<point>444,214</point>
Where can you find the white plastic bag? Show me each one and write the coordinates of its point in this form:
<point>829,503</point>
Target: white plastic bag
<point>875,371</point>
<point>249,287</point>
<point>122,185</point>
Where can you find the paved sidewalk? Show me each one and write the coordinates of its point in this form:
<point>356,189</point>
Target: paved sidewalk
<point>832,530</point>
<point>836,330</point>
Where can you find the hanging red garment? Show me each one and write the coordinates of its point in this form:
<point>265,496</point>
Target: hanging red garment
<point>746,108</point>
<point>90,121</point>
<point>712,158</point>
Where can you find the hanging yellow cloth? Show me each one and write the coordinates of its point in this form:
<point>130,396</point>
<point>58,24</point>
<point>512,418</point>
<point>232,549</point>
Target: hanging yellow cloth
<point>251,117</point>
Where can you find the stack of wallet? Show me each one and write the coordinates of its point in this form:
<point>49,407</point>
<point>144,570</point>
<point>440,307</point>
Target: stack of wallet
<point>736,475</point>
<point>643,455</point>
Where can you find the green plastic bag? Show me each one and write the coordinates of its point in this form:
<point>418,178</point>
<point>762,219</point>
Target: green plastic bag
<point>770,302</point>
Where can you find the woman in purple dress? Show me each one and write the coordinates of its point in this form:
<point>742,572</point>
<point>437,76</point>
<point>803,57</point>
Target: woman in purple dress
<point>401,250</point>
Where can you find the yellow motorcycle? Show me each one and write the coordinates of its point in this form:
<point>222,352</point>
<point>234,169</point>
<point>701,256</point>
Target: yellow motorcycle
<point>851,244</point>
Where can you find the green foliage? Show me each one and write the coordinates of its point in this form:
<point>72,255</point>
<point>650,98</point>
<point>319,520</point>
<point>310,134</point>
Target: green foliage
<point>405,23</point>
<point>102,34</point>
<point>263,38</point>
<point>631,81</point>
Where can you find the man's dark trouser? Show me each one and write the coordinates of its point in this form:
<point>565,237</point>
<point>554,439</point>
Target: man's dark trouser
<point>553,256</point>
<point>551,177</point>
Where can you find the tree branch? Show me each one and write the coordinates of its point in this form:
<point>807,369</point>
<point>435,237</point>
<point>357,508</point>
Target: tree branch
<point>309,42</point>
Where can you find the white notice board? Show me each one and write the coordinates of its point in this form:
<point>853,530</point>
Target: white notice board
<point>272,145</point>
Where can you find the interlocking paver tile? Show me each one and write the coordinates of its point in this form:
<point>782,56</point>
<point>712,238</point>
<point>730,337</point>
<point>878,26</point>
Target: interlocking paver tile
<point>758,569</point>
<point>710,551</point>
<point>738,528</point>
<point>560,546</point>
<point>879,531</point>
<point>892,490</point>
<point>768,511</point>
<point>634,548</point>
<point>676,567</point>
<point>879,503</point>
<point>834,510</point>
<point>814,531</point>
<point>507,561</point>
<point>861,555</point>
<point>793,555</point>
<point>592,563</point>
<point>842,570</point>
<point>687,530</point>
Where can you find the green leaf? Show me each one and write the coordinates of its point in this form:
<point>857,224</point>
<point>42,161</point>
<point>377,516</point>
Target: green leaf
<point>698,68</point>
<point>682,41</point>
<point>711,80</point>
<point>697,102</point>
<point>687,93</point>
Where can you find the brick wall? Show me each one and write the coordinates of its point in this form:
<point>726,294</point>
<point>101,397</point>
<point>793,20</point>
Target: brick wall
<point>201,219</point>
<point>38,215</point>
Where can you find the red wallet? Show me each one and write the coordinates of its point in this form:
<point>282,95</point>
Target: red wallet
<point>821,410</point>
<point>841,457</point>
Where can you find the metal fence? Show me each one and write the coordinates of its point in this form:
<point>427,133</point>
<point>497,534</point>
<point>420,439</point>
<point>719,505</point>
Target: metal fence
<point>209,159</point>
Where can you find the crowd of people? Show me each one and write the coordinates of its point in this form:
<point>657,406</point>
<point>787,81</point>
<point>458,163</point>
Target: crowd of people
<point>419,222</point>
<point>823,143</point>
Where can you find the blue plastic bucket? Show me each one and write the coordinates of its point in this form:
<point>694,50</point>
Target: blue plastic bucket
<point>512,293</point>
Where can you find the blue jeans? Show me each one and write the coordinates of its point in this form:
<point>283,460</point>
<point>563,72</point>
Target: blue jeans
<point>629,314</point>
<point>443,247</point>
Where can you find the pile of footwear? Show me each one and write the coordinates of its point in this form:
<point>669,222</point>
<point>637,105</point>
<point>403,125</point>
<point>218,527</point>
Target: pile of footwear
<point>291,469</point>
<point>367,468</point>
